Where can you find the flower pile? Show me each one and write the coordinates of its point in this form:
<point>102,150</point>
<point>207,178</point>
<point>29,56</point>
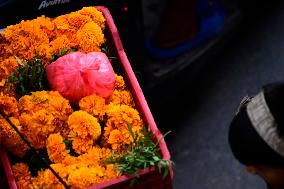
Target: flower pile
<point>81,30</point>
<point>47,120</point>
<point>78,140</point>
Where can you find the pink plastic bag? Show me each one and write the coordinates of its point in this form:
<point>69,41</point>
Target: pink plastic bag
<point>77,75</point>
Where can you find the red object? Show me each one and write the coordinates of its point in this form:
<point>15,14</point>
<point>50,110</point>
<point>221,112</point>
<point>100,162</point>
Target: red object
<point>77,75</point>
<point>125,8</point>
<point>150,178</point>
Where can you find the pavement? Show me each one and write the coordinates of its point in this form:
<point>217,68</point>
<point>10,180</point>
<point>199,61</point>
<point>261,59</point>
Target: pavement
<point>198,109</point>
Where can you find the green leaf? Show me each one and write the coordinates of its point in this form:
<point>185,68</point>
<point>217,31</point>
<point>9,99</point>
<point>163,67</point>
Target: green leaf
<point>166,172</point>
<point>142,153</point>
<point>156,158</point>
<point>131,132</point>
<point>30,76</point>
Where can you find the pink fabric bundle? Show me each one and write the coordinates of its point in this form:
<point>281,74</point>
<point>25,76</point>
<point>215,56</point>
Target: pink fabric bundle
<point>77,75</point>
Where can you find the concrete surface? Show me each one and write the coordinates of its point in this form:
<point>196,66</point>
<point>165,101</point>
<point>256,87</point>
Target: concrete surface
<point>200,109</point>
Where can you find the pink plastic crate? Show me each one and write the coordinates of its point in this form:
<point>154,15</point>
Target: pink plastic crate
<point>150,178</point>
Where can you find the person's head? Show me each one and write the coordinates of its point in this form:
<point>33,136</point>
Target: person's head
<point>256,134</point>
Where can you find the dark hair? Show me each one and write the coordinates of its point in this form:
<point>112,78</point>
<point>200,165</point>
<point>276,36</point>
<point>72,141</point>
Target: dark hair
<point>247,146</point>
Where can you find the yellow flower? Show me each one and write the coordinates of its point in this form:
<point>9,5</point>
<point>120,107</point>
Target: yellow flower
<point>94,105</point>
<point>56,148</point>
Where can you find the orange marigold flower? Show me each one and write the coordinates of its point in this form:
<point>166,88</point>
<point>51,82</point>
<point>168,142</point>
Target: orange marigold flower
<point>62,170</point>
<point>43,113</point>
<point>96,156</point>
<point>61,23</point>
<point>119,82</point>
<point>110,173</point>
<point>86,176</point>
<point>48,100</point>
<point>7,66</point>
<point>70,160</point>
<point>115,139</point>
<point>77,20</point>
<point>38,126</point>
<point>90,37</point>
<point>84,125</point>
<point>120,97</point>
<point>56,148</point>
<point>22,176</point>
<point>20,171</point>
<point>46,25</point>
<point>95,14</point>
<point>46,179</point>
<point>39,36</point>
<point>60,43</point>
<point>94,105</point>
<point>9,105</point>
<point>82,145</point>
<point>119,117</point>
<point>24,39</point>
<point>10,138</point>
